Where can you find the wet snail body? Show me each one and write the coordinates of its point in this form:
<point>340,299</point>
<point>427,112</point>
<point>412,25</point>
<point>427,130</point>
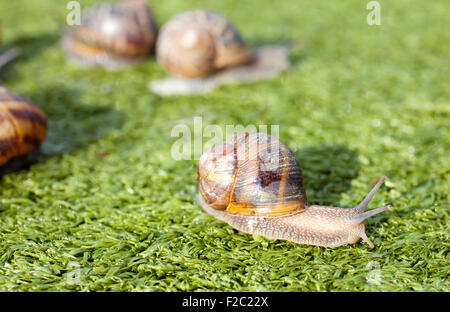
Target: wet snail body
<point>254,183</point>
<point>112,34</point>
<point>23,127</point>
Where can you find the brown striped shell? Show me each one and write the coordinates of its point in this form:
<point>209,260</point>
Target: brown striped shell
<point>198,43</point>
<point>253,174</point>
<point>23,126</point>
<point>112,34</point>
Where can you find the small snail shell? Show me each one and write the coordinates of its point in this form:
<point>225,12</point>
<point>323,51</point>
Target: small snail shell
<point>112,34</point>
<point>23,126</point>
<point>198,43</point>
<point>254,183</point>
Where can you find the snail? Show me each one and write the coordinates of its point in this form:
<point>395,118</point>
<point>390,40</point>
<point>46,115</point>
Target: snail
<point>112,35</point>
<point>254,183</point>
<point>202,50</point>
<point>197,43</point>
<point>23,126</point>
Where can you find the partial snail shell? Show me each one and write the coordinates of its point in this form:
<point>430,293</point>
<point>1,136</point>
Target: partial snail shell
<point>23,126</point>
<point>253,183</point>
<point>113,34</point>
<point>198,43</point>
<point>239,177</point>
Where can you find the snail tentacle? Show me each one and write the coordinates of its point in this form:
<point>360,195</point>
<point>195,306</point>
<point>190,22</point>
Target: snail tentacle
<point>366,239</point>
<point>356,219</point>
<point>363,205</point>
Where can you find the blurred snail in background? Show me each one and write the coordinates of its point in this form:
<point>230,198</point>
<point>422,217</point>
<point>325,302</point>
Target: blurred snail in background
<point>202,50</point>
<point>112,35</point>
<point>198,43</point>
<point>23,126</point>
<point>254,183</point>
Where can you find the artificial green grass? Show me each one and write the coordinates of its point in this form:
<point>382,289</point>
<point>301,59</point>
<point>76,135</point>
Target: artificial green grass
<point>106,208</point>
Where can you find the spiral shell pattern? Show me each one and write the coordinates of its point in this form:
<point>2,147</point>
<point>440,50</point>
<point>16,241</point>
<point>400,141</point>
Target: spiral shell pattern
<point>123,30</point>
<point>253,174</point>
<point>198,43</point>
<point>23,125</point>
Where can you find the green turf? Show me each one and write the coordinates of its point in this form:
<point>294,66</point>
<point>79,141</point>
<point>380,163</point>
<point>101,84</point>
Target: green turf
<point>105,199</point>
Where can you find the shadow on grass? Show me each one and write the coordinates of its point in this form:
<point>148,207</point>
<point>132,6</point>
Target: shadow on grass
<point>328,171</point>
<point>71,125</point>
<point>30,47</point>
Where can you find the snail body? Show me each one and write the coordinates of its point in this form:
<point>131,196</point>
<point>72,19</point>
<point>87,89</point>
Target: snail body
<point>197,43</point>
<point>112,34</point>
<point>254,183</point>
<point>23,126</point>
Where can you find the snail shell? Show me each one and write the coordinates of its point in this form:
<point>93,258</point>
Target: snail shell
<point>23,126</point>
<point>238,177</point>
<point>198,43</point>
<point>112,34</point>
<point>254,183</point>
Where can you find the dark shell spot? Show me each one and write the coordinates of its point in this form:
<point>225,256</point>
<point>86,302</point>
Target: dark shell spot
<point>265,178</point>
